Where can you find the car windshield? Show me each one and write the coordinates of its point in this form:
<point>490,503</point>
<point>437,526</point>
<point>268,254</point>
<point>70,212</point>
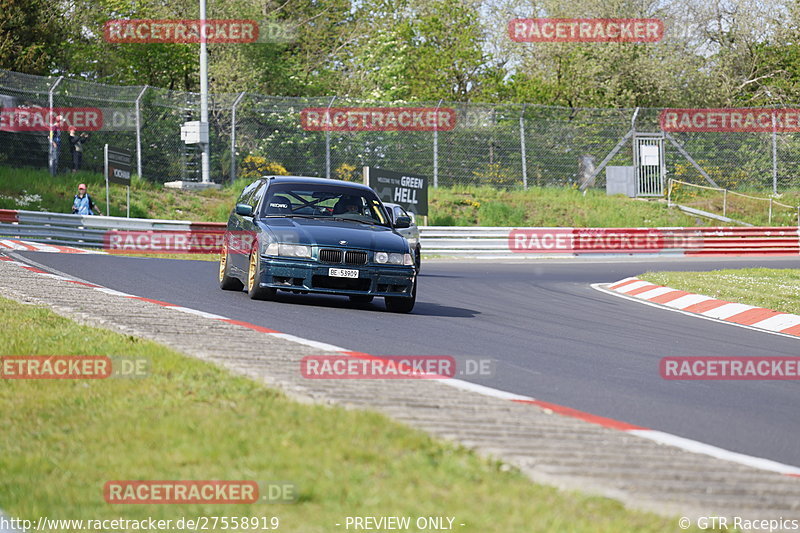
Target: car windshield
<point>323,201</point>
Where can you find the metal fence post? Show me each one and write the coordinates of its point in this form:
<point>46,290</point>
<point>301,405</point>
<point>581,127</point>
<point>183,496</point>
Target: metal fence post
<point>139,132</point>
<point>328,141</point>
<point>669,192</point>
<point>522,147</point>
<point>52,151</point>
<point>233,135</point>
<point>725,202</point>
<point>770,211</point>
<point>436,146</point>
<point>774,156</point>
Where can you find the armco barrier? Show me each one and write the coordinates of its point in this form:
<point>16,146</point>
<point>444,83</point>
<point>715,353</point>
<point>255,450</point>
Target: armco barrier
<point>572,242</point>
<point>85,230</point>
<point>457,241</point>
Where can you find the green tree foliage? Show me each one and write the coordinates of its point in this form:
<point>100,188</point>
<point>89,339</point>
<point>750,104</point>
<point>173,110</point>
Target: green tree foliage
<point>668,73</point>
<point>714,52</point>
<point>168,65</point>
<point>33,35</point>
<point>422,50</point>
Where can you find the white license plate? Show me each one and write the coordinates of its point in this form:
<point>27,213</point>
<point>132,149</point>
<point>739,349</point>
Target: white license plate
<point>342,273</point>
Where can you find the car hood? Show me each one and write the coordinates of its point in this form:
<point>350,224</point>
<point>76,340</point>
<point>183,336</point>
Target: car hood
<point>326,232</point>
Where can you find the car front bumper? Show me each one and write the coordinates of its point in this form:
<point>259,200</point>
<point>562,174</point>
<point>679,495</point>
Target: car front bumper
<point>312,276</point>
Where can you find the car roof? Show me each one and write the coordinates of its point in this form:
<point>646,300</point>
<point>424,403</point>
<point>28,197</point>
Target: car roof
<point>315,181</point>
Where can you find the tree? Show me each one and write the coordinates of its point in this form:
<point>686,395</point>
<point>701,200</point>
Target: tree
<point>33,35</point>
<point>671,72</point>
<point>421,50</point>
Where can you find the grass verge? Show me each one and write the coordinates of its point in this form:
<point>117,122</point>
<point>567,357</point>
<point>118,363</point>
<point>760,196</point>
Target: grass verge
<point>776,289</point>
<point>62,440</point>
<point>541,206</point>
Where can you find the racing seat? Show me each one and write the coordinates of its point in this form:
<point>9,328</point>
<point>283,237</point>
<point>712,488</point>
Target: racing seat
<point>279,205</point>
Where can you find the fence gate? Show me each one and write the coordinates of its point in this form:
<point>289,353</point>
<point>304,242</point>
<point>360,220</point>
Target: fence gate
<point>648,160</point>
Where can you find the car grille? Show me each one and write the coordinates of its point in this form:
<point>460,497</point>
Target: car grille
<point>337,257</point>
<point>353,257</point>
<point>327,255</point>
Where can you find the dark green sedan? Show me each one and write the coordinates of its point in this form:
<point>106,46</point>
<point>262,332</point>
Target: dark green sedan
<point>312,235</point>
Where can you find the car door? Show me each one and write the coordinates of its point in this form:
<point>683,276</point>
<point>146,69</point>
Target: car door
<point>240,231</point>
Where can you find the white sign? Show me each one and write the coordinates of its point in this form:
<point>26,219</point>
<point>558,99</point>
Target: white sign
<point>648,155</point>
<point>194,132</point>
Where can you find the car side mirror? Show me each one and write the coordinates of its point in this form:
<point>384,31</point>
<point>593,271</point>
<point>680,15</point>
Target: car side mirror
<point>402,222</point>
<point>244,210</point>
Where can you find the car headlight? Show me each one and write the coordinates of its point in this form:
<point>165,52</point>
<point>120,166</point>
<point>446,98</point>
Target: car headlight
<point>393,258</point>
<point>288,250</point>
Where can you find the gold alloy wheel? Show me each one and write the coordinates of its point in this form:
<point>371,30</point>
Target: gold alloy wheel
<point>251,273</point>
<point>223,263</point>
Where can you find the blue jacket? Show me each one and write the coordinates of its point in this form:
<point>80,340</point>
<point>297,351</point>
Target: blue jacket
<point>83,206</point>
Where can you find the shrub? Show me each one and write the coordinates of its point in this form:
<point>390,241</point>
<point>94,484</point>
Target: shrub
<point>255,166</point>
<point>347,172</point>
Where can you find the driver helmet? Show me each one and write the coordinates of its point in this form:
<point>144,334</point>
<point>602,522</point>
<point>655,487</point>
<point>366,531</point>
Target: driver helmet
<point>349,204</point>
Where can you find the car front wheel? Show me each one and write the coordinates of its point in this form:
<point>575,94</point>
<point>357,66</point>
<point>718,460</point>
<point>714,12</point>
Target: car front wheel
<point>402,304</point>
<point>227,282</point>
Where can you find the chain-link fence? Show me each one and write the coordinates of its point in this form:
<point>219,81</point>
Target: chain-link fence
<point>498,145</point>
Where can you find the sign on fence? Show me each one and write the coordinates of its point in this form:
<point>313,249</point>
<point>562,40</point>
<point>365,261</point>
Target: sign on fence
<point>117,170</point>
<point>407,190</point>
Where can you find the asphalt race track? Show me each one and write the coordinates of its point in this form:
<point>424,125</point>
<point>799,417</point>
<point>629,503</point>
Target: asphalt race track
<point>553,337</point>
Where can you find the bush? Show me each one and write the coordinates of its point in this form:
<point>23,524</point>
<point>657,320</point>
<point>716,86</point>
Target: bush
<point>255,166</point>
<point>347,172</point>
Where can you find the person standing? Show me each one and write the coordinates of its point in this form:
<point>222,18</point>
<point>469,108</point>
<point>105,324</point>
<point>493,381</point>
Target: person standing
<point>83,204</point>
<point>76,147</point>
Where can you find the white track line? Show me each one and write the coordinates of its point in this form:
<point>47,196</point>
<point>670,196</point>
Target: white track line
<point>713,451</point>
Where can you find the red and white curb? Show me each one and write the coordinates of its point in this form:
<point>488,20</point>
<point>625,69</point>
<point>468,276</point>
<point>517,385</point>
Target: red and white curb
<point>750,316</point>
<point>639,431</point>
<point>26,246</point>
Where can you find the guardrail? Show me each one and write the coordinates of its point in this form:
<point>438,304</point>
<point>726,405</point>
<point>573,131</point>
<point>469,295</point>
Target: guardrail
<point>571,242</point>
<point>456,241</point>
<point>85,230</point>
